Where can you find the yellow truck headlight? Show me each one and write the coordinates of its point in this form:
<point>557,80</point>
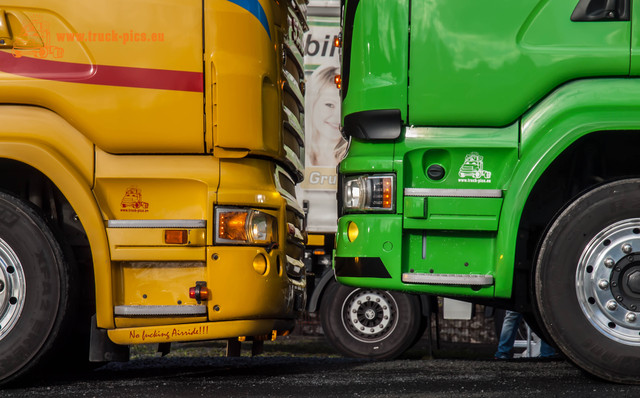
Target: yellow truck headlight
<point>245,226</point>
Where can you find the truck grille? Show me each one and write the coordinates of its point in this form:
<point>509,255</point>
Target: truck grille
<point>293,87</point>
<point>295,226</point>
<point>292,84</point>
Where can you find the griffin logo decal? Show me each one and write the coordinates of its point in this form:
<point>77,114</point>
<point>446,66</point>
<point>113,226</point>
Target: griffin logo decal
<point>132,201</point>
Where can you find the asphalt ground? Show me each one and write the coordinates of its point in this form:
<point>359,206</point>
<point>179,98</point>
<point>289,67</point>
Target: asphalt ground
<point>300,366</point>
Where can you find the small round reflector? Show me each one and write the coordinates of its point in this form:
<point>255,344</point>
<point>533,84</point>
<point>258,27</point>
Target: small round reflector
<point>352,231</point>
<point>260,264</point>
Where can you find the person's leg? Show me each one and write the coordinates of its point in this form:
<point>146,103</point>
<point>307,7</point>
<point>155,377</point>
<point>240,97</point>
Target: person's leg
<point>508,334</point>
<point>546,350</point>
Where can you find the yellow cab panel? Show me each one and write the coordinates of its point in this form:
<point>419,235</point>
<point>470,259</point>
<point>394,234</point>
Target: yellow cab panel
<point>136,68</point>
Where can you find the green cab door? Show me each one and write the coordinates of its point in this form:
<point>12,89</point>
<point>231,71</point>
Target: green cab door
<point>484,63</point>
<point>635,40</point>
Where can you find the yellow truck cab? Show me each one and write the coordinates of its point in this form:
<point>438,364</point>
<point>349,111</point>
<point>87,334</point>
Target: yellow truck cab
<point>149,152</point>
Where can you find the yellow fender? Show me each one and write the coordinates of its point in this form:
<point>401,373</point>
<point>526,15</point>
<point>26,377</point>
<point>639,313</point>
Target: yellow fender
<point>43,140</point>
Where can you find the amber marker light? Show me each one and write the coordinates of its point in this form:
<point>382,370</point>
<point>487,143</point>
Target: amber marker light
<point>176,236</point>
<point>338,80</point>
<point>232,225</point>
<point>386,193</point>
<point>337,42</point>
<point>203,293</point>
<point>352,231</point>
<point>200,292</point>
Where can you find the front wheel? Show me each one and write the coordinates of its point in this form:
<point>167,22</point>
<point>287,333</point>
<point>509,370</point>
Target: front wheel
<point>588,281</point>
<point>369,323</point>
<point>34,288</point>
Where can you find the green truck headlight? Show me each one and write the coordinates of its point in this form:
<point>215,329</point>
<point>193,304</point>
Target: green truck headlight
<point>369,192</point>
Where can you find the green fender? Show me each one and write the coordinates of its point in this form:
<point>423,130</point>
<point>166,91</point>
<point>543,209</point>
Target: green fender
<point>572,111</point>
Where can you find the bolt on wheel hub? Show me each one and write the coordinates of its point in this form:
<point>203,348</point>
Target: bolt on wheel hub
<point>12,288</point>
<point>369,315</point>
<point>608,281</point>
<point>633,281</point>
<point>625,281</point>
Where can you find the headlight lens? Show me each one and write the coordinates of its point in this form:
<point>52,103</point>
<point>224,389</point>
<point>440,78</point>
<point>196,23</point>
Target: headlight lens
<point>369,192</point>
<point>261,226</point>
<point>245,226</point>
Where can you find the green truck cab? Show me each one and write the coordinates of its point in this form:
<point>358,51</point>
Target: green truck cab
<point>492,157</point>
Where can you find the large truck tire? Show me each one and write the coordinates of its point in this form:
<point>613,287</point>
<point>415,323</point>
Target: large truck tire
<point>369,323</point>
<point>34,287</point>
<point>587,281</point>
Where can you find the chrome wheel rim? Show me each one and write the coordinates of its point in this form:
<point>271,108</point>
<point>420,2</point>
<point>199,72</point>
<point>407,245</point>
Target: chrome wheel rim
<point>608,282</point>
<point>369,315</point>
<point>13,289</point>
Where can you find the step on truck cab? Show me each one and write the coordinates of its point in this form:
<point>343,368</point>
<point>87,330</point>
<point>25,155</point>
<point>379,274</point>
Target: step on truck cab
<point>492,157</point>
<point>149,166</point>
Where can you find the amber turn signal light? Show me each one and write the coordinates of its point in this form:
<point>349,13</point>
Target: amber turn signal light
<point>386,193</point>
<point>232,225</point>
<point>176,236</point>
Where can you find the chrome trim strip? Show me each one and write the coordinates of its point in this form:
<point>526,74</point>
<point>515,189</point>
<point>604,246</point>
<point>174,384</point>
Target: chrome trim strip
<point>292,202</point>
<point>293,42</point>
<point>294,205</point>
<point>296,232</point>
<point>160,310</point>
<point>297,26</point>
<point>292,121</point>
<point>448,279</point>
<point>293,49</point>
<point>294,159</point>
<point>453,193</point>
<point>300,8</point>
<point>295,268</point>
<point>295,262</point>
<point>156,223</point>
<point>298,285</point>
<point>282,173</point>
<point>294,87</point>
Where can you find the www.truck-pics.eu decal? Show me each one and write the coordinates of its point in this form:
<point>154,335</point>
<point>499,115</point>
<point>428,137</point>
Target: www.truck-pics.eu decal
<point>472,170</point>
